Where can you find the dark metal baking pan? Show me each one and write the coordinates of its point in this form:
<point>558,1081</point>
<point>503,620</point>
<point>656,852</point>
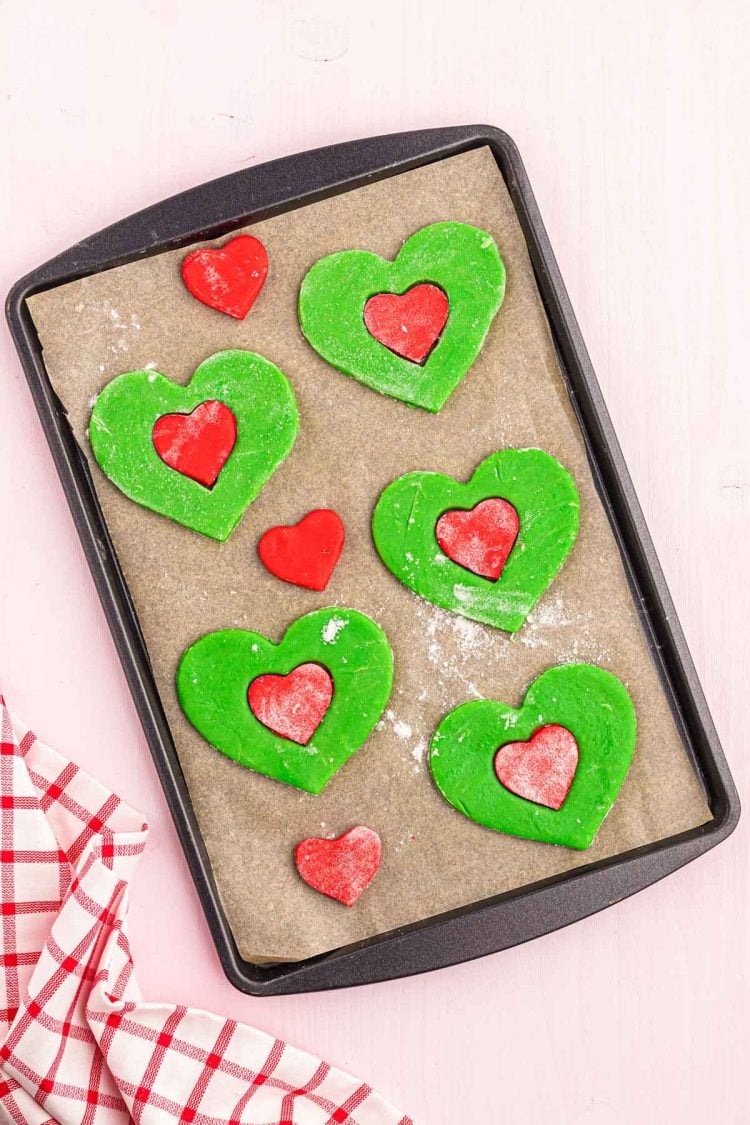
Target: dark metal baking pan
<point>494,924</point>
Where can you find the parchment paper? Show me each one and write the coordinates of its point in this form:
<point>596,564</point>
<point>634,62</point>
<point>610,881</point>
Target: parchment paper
<point>352,442</point>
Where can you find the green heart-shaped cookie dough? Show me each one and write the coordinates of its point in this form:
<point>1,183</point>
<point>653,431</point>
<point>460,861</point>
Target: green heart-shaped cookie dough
<point>460,259</point>
<point>545,497</point>
<point>215,673</point>
<point>265,410</point>
<point>590,703</point>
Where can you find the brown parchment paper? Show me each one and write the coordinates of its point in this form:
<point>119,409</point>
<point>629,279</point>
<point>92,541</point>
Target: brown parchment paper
<point>352,442</point>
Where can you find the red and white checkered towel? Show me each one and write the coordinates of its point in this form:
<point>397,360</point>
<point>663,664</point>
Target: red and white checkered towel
<point>80,1045</point>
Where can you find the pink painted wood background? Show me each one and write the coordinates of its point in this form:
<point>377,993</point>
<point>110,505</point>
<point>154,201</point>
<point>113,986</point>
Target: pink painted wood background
<point>632,120</point>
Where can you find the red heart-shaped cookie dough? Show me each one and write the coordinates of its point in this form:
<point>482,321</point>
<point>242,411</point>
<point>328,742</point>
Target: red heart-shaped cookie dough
<point>228,278</point>
<point>542,769</point>
<point>306,553</point>
<point>342,868</point>
<point>197,444</point>
<point>410,323</point>
<point>293,705</point>
<point>481,539</point>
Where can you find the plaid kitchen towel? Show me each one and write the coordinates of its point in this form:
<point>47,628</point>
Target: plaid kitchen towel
<point>79,1043</point>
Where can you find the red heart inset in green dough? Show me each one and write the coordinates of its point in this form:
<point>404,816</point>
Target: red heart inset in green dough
<point>542,768</point>
<point>460,260</point>
<point>216,673</point>
<point>589,704</point>
<point>481,539</point>
<point>128,426</point>
<point>292,705</point>
<point>408,526</point>
<point>197,444</point>
<point>409,323</point>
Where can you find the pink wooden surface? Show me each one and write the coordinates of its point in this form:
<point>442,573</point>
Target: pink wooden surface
<point>632,121</point>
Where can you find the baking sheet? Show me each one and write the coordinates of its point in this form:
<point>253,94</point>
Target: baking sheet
<point>352,442</point>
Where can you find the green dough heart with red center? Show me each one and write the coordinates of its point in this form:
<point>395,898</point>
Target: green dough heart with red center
<point>354,332</point>
<point>200,453</point>
<point>239,690</point>
<point>418,534</point>
<point>572,707</point>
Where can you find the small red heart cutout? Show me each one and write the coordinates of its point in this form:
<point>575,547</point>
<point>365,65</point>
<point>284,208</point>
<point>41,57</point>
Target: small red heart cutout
<point>542,769</point>
<point>341,868</point>
<point>228,278</point>
<point>409,323</point>
<point>305,554</point>
<point>481,539</point>
<point>293,705</point>
<point>197,444</point>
